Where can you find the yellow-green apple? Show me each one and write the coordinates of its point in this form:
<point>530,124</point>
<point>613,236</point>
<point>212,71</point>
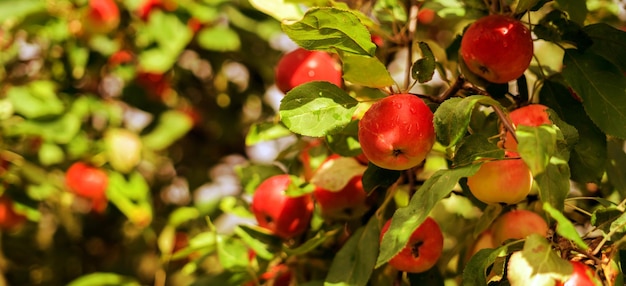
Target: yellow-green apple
<point>123,149</point>
<point>583,275</point>
<point>397,132</point>
<point>301,66</point>
<point>286,216</point>
<point>530,115</point>
<point>483,241</point>
<point>423,249</point>
<point>501,181</point>
<point>517,224</point>
<point>498,48</point>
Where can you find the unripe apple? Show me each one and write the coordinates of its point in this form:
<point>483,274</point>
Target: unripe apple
<point>497,47</point>
<point>422,250</point>
<point>501,181</point>
<point>301,66</point>
<point>530,115</point>
<point>102,16</point>
<point>397,132</point>
<point>517,224</point>
<point>483,241</point>
<point>281,214</point>
<point>9,218</point>
<point>123,149</point>
<point>583,275</point>
<point>88,182</point>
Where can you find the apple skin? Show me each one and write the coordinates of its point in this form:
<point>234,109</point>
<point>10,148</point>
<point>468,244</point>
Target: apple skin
<point>347,203</point>
<point>397,132</point>
<point>102,16</point>
<point>285,216</point>
<point>583,276</point>
<point>427,238</point>
<point>517,224</point>
<point>9,219</point>
<point>497,47</point>
<point>88,182</point>
<point>530,115</point>
<point>501,181</point>
<point>301,66</point>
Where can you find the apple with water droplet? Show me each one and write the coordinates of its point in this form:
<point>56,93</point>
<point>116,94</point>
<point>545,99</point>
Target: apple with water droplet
<point>423,249</point>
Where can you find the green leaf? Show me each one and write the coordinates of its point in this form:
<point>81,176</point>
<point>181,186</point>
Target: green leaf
<point>171,36</point>
<point>317,109</point>
<point>556,27</point>
<point>354,263</point>
<point>219,38</point>
<point>587,159</point>
<point>61,130</point>
<point>331,29</point>
<point>424,68</point>
<point>365,70</point>
<point>346,142</point>
<point>576,9</point>
<point>474,147</point>
<point>182,215</point>
<point>172,126</point>
<point>476,270</point>
<point>604,217</point>
<point>536,145</point>
<point>453,116</point>
<point>376,177</point>
<point>405,220</point>
<point>564,226</point>
<point>602,87</point>
<point>525,5</point>
<point>312,243</point>
<point>252,175</point>
<point>104,279</point>
<point>279,9</point>
<point>260,247</point>
<point>36,99</point>
<point>554,183</point>
<point>265,131</point>
<point>232,254</point>
<point>537,264</point>
<point>609,42</point>
<point>50,154</point>
<point>11,9</point>
<point>616,165</point>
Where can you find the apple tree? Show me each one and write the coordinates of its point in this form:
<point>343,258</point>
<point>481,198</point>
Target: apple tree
<point>301,142</point>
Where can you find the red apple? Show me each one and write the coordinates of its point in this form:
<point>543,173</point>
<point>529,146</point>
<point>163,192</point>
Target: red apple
<point>312,156</point>
<point>88,182</point>
<point>426,16</point>
<point>285,216</point>
<point>347,203</point>
<point>397,132</point>
<point>517,224</point>
<point>497,47</point>
<point>301,66</point>
<point>9,218</point>
<point>583,276</point>
<point>147,6</point>
<point>422,250</point>
<point>530,115</point>
<point>102,16</point>
<point>501,181</point>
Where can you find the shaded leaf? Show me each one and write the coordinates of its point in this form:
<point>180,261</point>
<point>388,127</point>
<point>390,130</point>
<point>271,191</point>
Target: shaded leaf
<point>345,142</point>
<point>377,177</point>
<point>453,116</point>
<point>564,227</point>
<point>424,68</point>
<point>218,38</point>
<point>365,70</point>
<point>609,42</point>
<point>265,131</point>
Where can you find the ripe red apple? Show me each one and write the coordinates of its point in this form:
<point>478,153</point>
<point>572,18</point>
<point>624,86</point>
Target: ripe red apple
<point>497,47</point>
<point>301,66</point>
<point>9,218</point>
<point>102,16</point>
<point>530,115</point>
<point>583,276</point>
<point>147,6</point>
<point>517,224</point>
<point>426,16</point>
<point>281,214</point>
<point>88,182</point>
<point>422,250</point>
<point>397,132</point>
<point>347,203</point>
<point>501,181</point>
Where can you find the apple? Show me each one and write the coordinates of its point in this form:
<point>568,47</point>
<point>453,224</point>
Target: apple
<point>426,16</point>
<point>501,181</point>
<point>423,249</point>
<point>583,275</point>
<point>102,16</point>
<point>156,85</point>
<point>312,156</point>
<point>120,57</point>
<point>347,203</point>
<point>284,215</point>
<point>517,224</point>
<point>397,132</point>
<point>483,241</point>
<point>9,218</point>
<point>123,149</point>
<point>301,66</point>
<point>277,275</point>
<point>147,6</point>
<point>88,182</point>
<point>530,115</point>
<point>498,48</point>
